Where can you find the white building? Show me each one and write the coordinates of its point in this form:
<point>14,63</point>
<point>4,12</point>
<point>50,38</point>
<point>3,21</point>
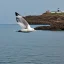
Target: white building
<point>58,11</point>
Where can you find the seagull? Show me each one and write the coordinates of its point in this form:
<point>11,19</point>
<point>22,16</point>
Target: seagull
<point>23,24</point>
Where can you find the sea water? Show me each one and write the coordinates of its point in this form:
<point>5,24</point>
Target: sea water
<point>39,47</point>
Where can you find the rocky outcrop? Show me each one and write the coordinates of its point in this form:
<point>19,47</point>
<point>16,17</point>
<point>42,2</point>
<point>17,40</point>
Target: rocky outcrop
<point>55,20</point>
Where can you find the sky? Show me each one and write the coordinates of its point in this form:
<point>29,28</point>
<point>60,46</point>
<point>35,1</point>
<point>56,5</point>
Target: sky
<point>25,8</point>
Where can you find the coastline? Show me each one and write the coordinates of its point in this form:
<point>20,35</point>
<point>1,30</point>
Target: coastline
<point>55,20</point>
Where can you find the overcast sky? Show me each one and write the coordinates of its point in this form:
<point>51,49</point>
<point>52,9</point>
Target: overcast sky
<point>26,7</point>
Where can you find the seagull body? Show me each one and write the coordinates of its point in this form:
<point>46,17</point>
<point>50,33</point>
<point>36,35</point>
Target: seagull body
<point>23,23</point>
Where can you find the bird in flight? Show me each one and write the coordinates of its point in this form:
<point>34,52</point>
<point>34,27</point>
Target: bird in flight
<point>23,24</point>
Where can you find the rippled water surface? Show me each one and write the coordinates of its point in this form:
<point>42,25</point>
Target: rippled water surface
<point>40,47</point>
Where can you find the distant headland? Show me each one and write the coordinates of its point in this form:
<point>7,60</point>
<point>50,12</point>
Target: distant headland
<point>55,20</point>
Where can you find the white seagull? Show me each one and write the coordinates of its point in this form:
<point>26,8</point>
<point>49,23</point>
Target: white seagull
<point>23,23</point>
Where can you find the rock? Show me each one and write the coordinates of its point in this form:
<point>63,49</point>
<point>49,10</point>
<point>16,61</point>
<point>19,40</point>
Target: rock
<point>55,20</point>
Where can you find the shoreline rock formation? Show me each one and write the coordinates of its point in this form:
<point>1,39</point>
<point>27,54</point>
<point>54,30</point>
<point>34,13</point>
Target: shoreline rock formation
<point>55,20</point>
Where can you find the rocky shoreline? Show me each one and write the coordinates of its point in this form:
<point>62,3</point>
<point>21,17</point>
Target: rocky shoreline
<point>55,20</point>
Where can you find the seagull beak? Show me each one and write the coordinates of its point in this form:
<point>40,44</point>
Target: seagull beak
<point>16,14</point>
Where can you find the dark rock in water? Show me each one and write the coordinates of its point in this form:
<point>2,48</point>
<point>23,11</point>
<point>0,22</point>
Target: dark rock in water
<point>53,28</point>
<point>42,28</point>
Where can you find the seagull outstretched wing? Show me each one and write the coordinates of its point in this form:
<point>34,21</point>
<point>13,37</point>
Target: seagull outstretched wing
<point>21,21</point>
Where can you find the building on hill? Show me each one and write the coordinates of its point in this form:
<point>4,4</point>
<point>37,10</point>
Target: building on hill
<point>58,11</point>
